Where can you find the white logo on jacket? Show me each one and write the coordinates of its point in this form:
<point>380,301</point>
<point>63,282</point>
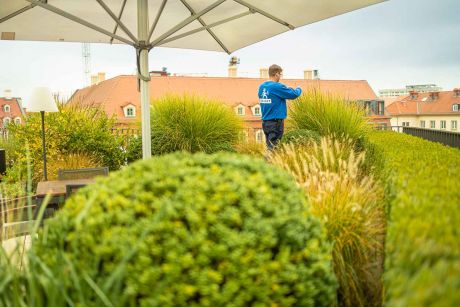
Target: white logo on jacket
<point>265,98</point>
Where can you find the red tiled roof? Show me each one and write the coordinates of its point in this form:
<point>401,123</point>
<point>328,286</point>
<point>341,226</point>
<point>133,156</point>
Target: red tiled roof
<point>423,104</point>
<point>114,93</point>
<point>15,109</point>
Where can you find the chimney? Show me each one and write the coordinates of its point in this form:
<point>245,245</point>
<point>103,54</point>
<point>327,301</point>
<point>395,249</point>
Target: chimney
<point>311,74</point>
<point>232,71</point>
<point>8,94</point>
<point>413,95</point>
<point>100,77</point>
<point>232,66</point>
<point>456,92</point>
<point>94,80</point>
<point>264,73</point>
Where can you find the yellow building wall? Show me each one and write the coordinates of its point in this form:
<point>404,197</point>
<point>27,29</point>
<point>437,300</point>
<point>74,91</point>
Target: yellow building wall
<point>414,121</point>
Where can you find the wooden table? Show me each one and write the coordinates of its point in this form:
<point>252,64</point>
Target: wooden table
<point>58,187</point>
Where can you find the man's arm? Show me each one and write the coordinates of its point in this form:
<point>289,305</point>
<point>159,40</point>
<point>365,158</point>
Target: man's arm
<point>285,92</point>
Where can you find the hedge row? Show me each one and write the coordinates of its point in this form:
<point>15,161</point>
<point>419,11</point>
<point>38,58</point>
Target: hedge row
<point>422,265</point>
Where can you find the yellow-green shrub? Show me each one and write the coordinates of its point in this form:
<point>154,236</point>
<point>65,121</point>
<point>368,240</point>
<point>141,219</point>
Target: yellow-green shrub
<point>188,230</point>
<point>350,205</point>
<point>422,251</point>
<point>74,129</point>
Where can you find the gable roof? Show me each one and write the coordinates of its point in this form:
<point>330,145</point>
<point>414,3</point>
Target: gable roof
<point>423,105</point>
<point>122,90</point>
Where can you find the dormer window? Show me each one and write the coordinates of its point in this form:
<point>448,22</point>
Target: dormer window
<point>256,111</point>
<point>434,96</point>
<point>455,107</point>
<point>240,110</point>
<point>456,92</point>
<point>129,110</point>
<point>6,108</point>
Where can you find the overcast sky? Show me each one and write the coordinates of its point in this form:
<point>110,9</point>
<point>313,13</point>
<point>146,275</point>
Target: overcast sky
<point>391,44</point>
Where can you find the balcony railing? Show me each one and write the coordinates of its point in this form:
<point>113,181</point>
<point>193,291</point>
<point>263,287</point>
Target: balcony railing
<point>448,138</point>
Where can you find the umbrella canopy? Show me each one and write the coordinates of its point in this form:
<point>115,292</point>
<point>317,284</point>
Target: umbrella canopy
<point>216,25</point>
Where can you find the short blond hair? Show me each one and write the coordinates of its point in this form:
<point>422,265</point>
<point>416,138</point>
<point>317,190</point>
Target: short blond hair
<point>274,69</point>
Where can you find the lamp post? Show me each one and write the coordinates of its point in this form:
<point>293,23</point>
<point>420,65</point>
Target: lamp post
<point>42,101</point>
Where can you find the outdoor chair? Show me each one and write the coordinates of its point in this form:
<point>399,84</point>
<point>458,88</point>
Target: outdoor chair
<point>82,173</point>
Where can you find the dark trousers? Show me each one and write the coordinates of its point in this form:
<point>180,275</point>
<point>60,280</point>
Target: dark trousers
<point>273,130</point>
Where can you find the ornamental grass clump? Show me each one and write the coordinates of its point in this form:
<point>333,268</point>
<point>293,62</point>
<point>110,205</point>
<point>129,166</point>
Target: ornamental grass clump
<point>190,230</point>
<point>349,203</point>
<point>193,124</point>
<point>329,115</point>
<point>300,136</point>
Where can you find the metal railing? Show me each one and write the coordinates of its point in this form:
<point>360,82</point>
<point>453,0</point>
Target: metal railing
<point>448,138</point>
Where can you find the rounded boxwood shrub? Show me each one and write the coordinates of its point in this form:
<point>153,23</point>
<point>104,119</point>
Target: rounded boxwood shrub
<point>301,137</point>
<point>193,230</point>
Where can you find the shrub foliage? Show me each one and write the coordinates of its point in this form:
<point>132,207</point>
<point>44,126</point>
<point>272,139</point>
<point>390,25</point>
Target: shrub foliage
<point>422,247</point>
<point>193,124</point>
<point>192,230</point>
<point>74,129</point>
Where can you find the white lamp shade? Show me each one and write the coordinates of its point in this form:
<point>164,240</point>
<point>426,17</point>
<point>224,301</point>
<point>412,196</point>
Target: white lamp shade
<point>42,100</point>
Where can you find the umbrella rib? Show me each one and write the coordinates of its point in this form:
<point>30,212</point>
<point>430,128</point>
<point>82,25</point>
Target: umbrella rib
<point>79,20</point>
<point>262,12</point>
<point>157,18</point>
<point>214,36</point>
<point>20,11</point>
<point>118,21</point>
<point>215,24</point>
<point>185,22</point>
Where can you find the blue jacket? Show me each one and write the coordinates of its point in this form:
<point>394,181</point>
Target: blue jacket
<point>272,99</point>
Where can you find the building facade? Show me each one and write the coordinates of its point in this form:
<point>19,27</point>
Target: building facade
<point>398,92</point>
<point>119,96</point>
<point>434,110</point>
<point>11,110</point>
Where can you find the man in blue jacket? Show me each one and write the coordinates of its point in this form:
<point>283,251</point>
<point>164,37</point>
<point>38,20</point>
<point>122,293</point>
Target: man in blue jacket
<point>272,99</point>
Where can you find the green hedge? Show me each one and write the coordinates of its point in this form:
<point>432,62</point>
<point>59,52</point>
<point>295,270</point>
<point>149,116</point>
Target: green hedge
<point>423,239</point>
<point>192,230</point>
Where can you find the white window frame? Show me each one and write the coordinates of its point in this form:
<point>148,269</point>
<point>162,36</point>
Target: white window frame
<point>453,125</point>
<point>242,108</point>
<point>455,107</point>
<point>422,124</point>
<point>443,124</point>
<point>7,108</point>
<point>432,124</point>
<point>6,121</point>
<point>259,136</point>
<point>257,110</point>
<point>17,120</point>
<point>126,111</point>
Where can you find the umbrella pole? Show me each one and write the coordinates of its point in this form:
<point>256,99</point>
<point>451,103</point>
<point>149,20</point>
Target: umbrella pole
<point>144,76</point>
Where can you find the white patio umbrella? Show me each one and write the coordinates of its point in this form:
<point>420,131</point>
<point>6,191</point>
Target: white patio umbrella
<point>217,25</point>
